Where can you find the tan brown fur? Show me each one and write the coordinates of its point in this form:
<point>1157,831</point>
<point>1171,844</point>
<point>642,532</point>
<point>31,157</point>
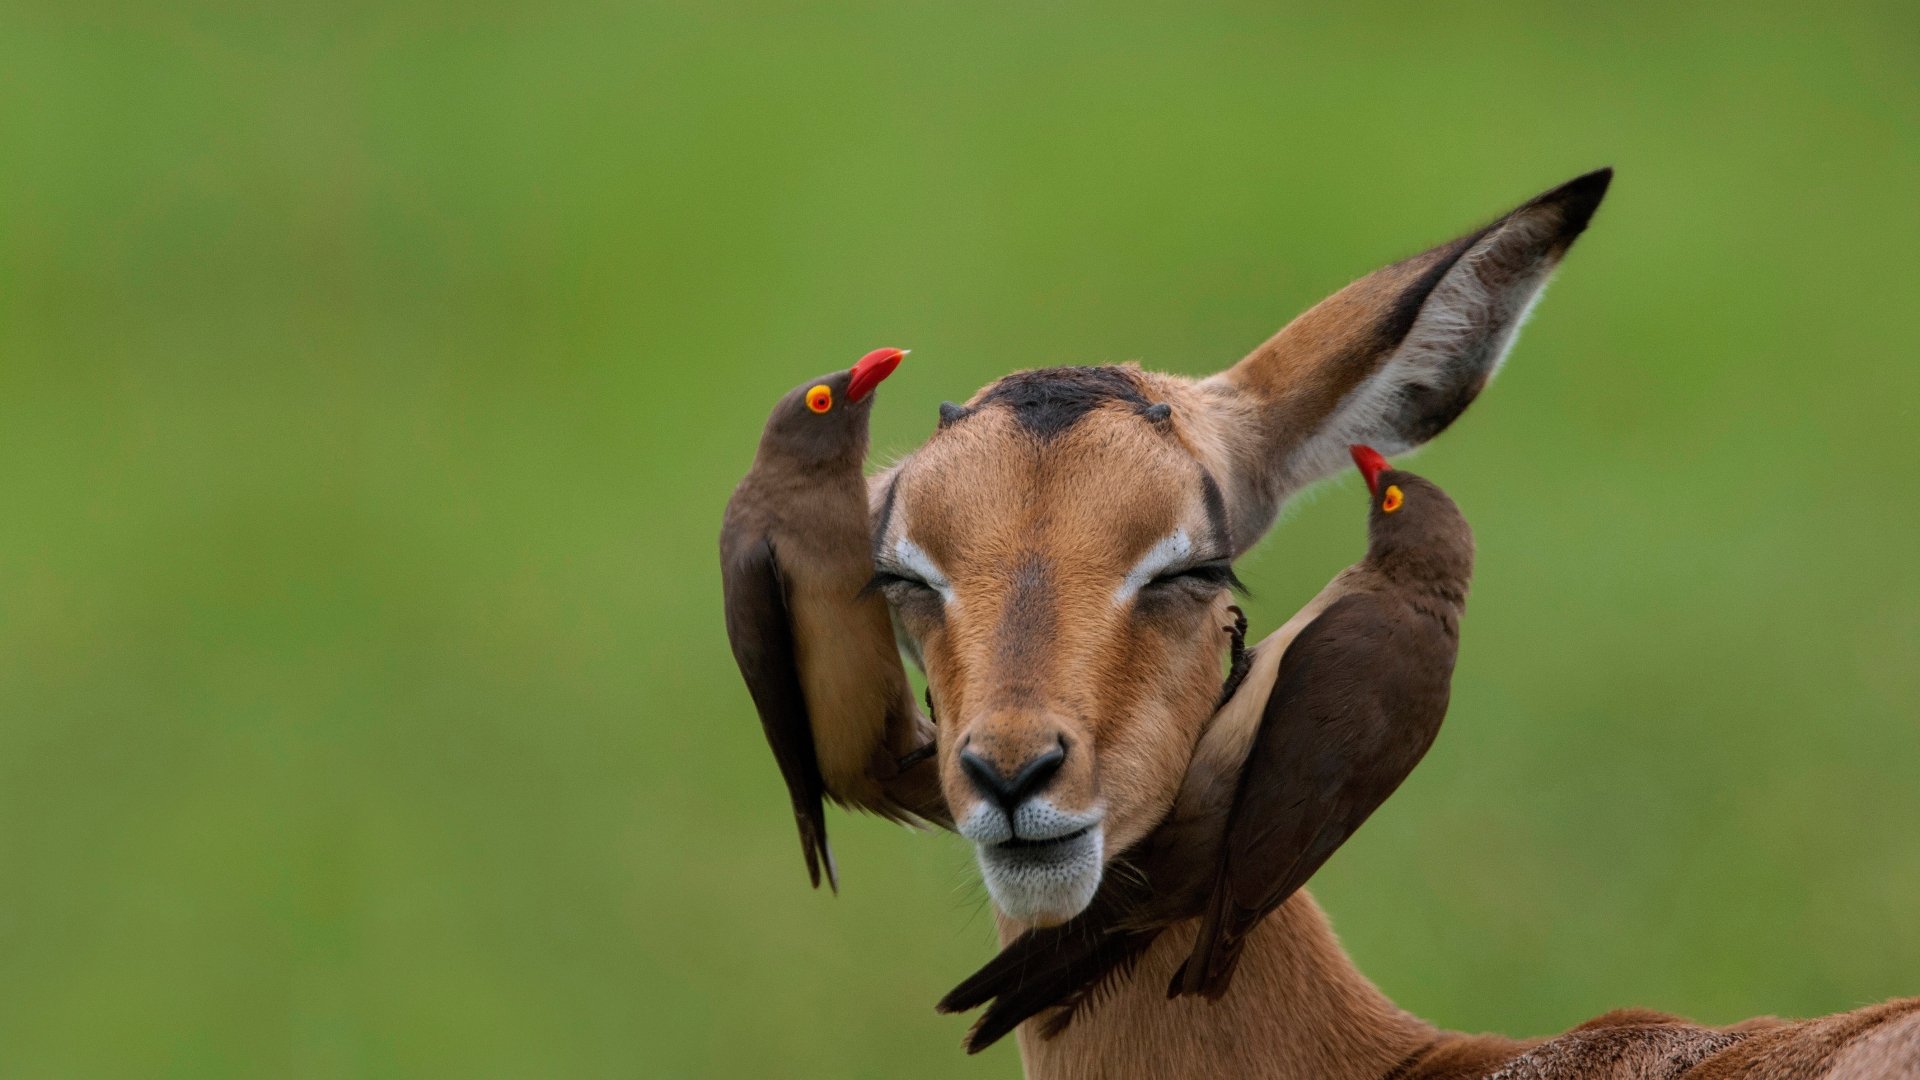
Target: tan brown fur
<point>1298,1009</point>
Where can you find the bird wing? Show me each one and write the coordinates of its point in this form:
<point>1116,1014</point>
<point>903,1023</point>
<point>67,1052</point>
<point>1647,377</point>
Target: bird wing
<point>1357,702</point>
<point>761,631</point>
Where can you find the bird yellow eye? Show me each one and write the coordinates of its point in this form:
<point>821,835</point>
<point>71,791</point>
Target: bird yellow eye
<point>820,398</point>
<point>1392,499</point>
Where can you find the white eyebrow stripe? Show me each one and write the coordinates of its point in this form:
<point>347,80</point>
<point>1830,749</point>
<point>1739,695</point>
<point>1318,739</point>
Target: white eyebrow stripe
<point>1171,550</point>
<point>913,558</point>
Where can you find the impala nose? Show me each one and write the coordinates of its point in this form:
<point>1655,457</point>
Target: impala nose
<point>1009,790</point>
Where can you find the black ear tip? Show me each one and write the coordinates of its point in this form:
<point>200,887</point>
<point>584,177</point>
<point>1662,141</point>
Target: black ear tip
<point>1577,199</point>
<point>1599,178</point>
<point>951,413</point>
<point>1159,412</point>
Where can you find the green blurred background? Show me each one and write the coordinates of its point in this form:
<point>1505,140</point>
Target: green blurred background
<point>372,377</point>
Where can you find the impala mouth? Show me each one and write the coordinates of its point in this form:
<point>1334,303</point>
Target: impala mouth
<point>1022,843</point>
<point>1043,880</point>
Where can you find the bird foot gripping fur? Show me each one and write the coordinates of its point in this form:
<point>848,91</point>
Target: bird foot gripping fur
<point>926,751</point>
<point>1240,661</point>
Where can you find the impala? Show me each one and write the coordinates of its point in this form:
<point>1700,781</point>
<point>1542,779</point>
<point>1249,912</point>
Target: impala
<point>1056,557</point>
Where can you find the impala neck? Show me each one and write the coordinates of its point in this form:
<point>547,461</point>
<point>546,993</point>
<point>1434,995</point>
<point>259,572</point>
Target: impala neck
<point>1298,1009</point>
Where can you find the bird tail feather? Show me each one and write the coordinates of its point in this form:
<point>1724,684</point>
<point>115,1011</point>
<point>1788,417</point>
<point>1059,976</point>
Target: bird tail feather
<point>1216,949</point>
<point>813,844</point>
<point>1066,966</point>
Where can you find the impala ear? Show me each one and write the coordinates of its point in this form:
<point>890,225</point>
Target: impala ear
<point>1391,359</point>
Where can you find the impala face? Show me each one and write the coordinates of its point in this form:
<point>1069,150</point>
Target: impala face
<point>1059,560</point>
<point>1057,556</point>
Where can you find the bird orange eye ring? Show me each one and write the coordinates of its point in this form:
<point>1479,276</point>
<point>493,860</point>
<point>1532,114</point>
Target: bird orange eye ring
<point>820,398</point>
<point>1392,499</point>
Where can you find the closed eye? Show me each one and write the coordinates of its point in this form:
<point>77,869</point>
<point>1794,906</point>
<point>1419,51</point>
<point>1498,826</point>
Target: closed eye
<point>893,582</point>
<point>1214,574</point>
<point>907,573</point>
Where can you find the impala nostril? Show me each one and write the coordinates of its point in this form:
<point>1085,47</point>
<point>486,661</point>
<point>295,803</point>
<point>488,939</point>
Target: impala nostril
<point>986,779</point>
<point>1008,792</point>
<point>1035,775</point>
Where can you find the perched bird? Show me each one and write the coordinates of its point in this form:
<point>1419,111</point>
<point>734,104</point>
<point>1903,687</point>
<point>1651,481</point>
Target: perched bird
<point>1337,708</point>
<point>815,647</point>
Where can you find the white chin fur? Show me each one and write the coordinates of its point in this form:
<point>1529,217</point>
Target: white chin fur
<point>1045,884</point>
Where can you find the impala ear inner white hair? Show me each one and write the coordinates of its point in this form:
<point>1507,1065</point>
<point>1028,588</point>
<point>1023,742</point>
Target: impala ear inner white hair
<point>1393,359</point>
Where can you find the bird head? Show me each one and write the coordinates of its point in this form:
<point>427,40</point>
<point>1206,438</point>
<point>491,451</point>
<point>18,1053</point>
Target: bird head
<point>1412,518</point>
<point>825,418</point>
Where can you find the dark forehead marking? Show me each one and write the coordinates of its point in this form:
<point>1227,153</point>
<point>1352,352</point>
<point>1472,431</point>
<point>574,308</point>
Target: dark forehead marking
<point>1216,504</point>
<point>1048,401</point>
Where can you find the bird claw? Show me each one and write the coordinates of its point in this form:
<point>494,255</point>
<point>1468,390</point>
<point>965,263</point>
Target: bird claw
<point>919,754</point>
<point>1241,658</point>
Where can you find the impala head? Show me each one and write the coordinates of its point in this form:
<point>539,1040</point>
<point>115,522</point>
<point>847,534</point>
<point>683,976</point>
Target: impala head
<point>1058,555</point>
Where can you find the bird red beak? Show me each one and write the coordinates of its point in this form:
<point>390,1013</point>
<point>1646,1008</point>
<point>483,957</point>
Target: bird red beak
<point>1371,465</point>
<point>872,368</point>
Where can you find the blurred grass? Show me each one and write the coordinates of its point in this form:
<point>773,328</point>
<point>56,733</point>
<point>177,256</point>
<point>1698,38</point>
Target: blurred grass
<point>372,376</point>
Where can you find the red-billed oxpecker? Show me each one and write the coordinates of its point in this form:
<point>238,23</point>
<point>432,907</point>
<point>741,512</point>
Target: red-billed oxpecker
<point>815,646</point>
<point>1337,708</point>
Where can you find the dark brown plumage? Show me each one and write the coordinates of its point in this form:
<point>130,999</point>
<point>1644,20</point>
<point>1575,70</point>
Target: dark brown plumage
<point>816,649</point>
<point>1335,721</point>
